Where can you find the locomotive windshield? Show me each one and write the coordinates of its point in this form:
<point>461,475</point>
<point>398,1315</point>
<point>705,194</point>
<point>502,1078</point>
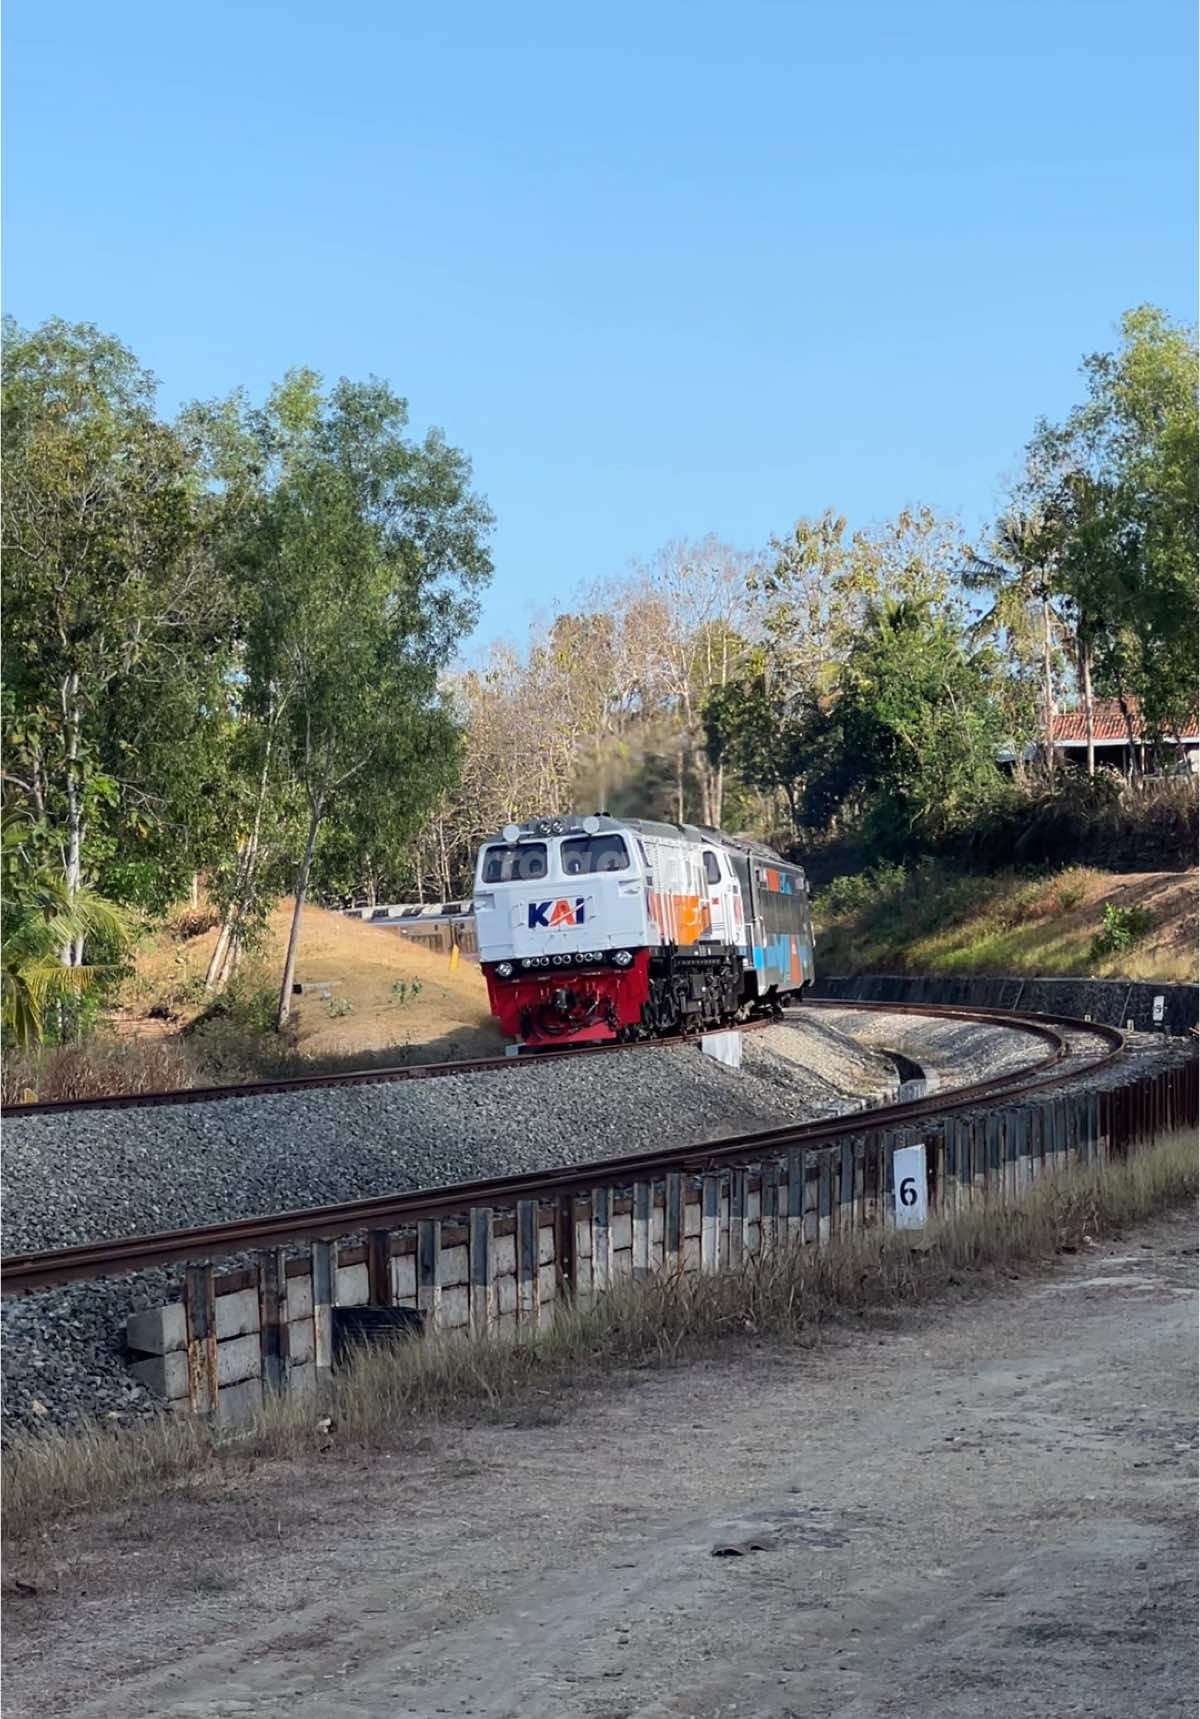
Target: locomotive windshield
<point>594,853</point>
<point>511,865</point>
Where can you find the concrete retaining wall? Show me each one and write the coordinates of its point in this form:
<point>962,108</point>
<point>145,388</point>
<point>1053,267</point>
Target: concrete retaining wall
<point>1115,1002</point>
<point>271,1326</point>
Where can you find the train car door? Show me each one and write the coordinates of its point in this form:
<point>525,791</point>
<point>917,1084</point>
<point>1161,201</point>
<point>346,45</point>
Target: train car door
<point>727,920</point>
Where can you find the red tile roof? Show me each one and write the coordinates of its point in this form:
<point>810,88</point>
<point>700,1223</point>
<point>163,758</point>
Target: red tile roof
<point>1070,728</point>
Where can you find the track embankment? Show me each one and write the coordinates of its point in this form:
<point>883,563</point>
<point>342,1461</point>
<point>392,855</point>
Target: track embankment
<point>78,1176</point>
<point>64,1352</point>
<point>75,1176</point>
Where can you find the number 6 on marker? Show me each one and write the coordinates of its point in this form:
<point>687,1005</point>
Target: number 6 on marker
<point>912,1187</point>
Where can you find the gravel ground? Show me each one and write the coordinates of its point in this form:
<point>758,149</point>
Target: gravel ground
<point>70,1179</point>
<point>981,1510</point>
<point>952,1053</point>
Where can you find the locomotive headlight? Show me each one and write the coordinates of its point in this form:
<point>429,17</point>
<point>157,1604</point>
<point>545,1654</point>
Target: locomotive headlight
<point>622,958</point>
<point>504,969</point>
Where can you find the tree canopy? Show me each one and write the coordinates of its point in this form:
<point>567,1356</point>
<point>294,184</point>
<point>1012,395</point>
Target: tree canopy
<point>230,649</point>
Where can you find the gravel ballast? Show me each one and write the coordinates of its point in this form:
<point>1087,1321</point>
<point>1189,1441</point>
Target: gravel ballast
<point>94,1175</point>
<point>100,1174</point>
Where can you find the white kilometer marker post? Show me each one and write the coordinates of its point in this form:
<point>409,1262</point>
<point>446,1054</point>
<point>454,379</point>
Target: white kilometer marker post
<point>725,1047</point>
<point>912,1189</point>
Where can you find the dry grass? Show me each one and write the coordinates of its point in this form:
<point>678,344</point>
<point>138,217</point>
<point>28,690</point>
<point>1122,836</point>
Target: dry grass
<point>386,1395</point>
<point>101,1065</point>
<point>364,965</point>
<point>391,1002</point>
<point>938,921</point>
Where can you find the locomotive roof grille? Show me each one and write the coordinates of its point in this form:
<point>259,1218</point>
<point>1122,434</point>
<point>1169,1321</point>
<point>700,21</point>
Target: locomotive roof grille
<point>574,824</point>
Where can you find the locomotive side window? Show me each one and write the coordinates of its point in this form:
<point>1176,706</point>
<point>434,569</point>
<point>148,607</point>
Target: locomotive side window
<point>594,853</point>
<point>712,867</point>
<point>512,865</point>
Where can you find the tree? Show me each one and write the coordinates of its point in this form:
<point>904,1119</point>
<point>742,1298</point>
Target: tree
<point>42,922</point>
<point>355,565</point>
<point>364,844</point>
<point>1119,477</point>
<point>117,626</point>
<point>919,723</point>
<point>694,596</point>
<point>777,718</point>
<point>767,742</point>
<point>1020,576</point>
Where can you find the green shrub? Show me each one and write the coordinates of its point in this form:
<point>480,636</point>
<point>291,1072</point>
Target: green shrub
<point>1122,927</point>
<point>235,1037</point>
<point>851,892</point>
<point>405,991</point>
<point>173,995</point>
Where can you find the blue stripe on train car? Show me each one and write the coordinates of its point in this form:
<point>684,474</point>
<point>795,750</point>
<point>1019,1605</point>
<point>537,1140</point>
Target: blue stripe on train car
<point>776,964</point>
<point>774,960</point>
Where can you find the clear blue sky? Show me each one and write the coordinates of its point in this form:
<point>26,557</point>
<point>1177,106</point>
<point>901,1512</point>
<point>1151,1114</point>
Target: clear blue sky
<point>661,269</point>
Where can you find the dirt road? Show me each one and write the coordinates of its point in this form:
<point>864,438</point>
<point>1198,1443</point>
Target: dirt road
<point>989,1510</point>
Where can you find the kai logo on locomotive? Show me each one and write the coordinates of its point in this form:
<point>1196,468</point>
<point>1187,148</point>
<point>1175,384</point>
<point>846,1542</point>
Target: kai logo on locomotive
<point>547,914</point>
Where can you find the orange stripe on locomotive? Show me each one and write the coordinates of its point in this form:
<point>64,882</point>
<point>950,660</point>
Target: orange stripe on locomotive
<point>681,919</point>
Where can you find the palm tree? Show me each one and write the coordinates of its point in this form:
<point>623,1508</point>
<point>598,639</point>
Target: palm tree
<point>1020,580</point>
<point>41,922</point>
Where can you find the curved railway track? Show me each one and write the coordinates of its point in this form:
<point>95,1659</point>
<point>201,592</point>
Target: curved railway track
<point>468,1065</point>
<point>1064,1058</point>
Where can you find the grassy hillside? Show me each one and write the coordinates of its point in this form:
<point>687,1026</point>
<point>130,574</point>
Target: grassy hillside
<point>390,1002</point>
<point>1079,921</point>
<point>386,991</point>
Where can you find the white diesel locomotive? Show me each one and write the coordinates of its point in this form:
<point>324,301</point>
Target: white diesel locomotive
<point>594,928</point>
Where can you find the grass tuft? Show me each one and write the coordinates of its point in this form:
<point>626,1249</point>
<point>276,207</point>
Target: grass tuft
<point>388,1395</point>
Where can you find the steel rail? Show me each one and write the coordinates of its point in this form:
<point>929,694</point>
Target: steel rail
<point>425,1070</point>
<point>352,1077</point>
<point>23,1273</point>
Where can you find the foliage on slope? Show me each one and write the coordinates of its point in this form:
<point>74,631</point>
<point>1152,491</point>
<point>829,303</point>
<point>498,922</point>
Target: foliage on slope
<point>930,919</point>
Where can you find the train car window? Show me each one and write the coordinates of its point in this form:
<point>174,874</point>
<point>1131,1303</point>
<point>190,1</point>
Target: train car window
<point>513,865</point>
<point>712,866</point>
<point>594,853</point>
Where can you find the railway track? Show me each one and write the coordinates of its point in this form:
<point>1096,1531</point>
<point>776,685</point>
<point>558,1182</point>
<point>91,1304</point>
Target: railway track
<point>467,1065</point>
<point>1066,1057</point>
<point>354,1077</point>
